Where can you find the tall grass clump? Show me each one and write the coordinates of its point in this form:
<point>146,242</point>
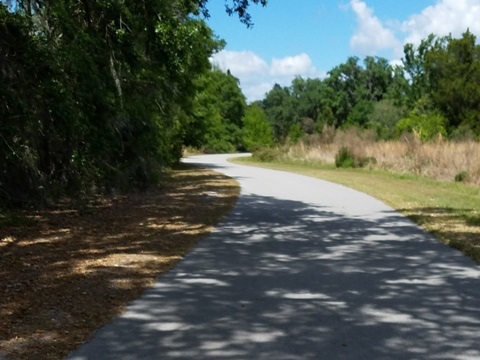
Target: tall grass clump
<point>438,159</point>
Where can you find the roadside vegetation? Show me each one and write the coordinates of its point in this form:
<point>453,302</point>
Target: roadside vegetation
<point>102,96</point>
<point>438,159</point>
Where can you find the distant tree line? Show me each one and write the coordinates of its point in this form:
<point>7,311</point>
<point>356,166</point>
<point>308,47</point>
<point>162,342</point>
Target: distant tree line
<point>434,92</point>
<point>101,94</point>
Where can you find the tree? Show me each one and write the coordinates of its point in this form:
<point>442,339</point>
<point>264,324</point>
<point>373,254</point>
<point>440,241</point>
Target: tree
<point>257,131</point>
<point>384,118</point>
<point>218,113</point>
<point>427,126</point>
<point>378,77</point>
<point>279,107</point>
<point>454,73</point>
<point>399,87</point>
<point>414,65</point>
<point>309,96</point>
<point>348,84</point>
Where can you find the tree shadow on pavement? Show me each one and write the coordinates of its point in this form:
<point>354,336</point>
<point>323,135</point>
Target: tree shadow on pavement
<point>284,279</point>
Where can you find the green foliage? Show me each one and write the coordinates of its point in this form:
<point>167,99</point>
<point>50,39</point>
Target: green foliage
<point>428,126</point>
<point>454,72</point>
<point>218,114</point>
<point>346,97</point>
<point>257,131</point>
<point>360,113</point>
<point>280,110</point>
<point>309,97</point>
<point>378,77</point>
<point>461,176</point>
<point>103,94</point>
<point>347,82</point>
<point>218,139</point>
<point>325,118</point>
<point>345,158</point>
<point>295,133</point>
<point>384,118</point>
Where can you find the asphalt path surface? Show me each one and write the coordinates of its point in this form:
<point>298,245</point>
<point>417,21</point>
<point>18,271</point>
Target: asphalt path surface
<point>303,269</point>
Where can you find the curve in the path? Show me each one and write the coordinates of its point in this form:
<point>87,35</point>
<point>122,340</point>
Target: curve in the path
<point>304,269</point>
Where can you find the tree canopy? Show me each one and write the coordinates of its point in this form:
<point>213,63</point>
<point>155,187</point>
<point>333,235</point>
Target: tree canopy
<point>434,92</point>
<point>99,94</point>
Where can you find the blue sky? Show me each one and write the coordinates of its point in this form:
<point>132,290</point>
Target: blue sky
<point>309,37</point>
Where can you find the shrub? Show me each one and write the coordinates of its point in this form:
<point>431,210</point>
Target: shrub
<point>266,154</point>
<point>461,176</point>
<point>345,158</point>
<point>426,126</point>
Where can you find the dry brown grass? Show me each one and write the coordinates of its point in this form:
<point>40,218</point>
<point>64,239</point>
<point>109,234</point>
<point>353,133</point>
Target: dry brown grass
<point>440,160</point>
<point>68,270</point>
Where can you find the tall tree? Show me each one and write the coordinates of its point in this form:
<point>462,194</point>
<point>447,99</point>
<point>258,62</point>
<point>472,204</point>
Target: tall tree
<point>454,73</point>
<point>309,95</point>
<point>378,77</point>
<point>280,110</point>
<point>414,65</point>
<point>219,109</point>
<point>347,81</point>
<point>257,131</point>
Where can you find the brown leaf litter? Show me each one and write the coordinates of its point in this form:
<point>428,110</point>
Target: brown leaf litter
<point>69,269</point>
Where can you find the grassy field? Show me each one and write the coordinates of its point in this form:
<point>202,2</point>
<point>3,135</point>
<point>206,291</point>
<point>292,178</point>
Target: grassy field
<point>449,210</point>
<point>440,159</point>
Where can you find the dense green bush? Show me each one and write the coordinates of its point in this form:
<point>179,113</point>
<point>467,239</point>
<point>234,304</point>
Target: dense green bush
<point>426,126</point>
<point>461,176</point>
<point>345,158</point>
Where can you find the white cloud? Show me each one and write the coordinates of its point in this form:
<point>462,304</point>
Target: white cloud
<point>257,77</point>
<point>371,35</point>
<point>240,62</point>
<point>292,65</point>
<point>443,18</point>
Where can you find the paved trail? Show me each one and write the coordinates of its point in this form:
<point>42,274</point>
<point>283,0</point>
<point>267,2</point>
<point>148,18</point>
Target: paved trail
<point>304,269</point>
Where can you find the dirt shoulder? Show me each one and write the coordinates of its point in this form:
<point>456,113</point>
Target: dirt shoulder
<point>67,270</point>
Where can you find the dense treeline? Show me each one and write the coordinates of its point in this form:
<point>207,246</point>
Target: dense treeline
<point>222,120</point>
<point>435,91</point>
<point>98,94</point>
